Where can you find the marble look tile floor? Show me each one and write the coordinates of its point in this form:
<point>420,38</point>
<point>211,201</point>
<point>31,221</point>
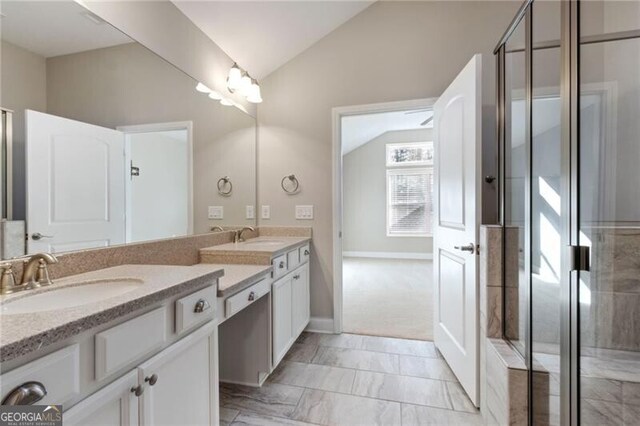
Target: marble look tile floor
<point>350,379</point>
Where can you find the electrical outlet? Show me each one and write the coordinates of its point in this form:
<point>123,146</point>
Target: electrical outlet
<point>216,212</point>
<point>250,213</point>
<point>266,212</point>
<point>304,212</point>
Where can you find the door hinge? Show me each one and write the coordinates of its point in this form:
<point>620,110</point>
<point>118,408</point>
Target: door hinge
<point>579,258</point>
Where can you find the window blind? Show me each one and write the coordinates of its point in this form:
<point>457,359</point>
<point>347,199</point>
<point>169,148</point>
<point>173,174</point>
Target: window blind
<point>409,202</point>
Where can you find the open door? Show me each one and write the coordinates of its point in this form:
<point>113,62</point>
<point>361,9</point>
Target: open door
<point>75,184</point>
<point>457,143</point>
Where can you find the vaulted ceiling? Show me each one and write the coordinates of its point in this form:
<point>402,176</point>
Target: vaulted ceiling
<point>261,36</point>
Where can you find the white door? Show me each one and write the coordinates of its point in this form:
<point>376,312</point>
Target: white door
<point>112,405</point>
<point>75,184</point>
<point>457,127</point>
<point>181,382</point>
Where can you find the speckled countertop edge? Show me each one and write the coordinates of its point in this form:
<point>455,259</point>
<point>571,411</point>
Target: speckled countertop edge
<point>232,249</point>
<point>238,277</point>
<point>21,334</point>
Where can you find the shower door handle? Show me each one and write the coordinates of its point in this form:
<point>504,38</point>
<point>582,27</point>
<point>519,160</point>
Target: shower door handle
<point>471,248</point>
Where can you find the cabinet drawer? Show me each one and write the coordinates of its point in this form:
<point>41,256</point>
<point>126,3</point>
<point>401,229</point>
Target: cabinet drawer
<point>196,308</point>
<point>305,252</point>
<point>293,259</point>
<point>239,301</point>
<point>279,265</point>
<point>129,341</point>
<point>58,372</point>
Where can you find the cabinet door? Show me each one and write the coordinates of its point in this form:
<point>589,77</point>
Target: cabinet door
<point>300,308</point>
<point>282,325</point>
<point>181,382</point>
<point>113,405</point>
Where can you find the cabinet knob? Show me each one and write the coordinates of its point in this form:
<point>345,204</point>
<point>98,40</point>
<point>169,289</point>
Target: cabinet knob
<point>201,306</point>
<point>252,296</point>
<point>296,277</point>
<point>26,394</point>
<point>307,252</point>
<point>281,264</point>
<point>151,379</point>
<point>137,390</point>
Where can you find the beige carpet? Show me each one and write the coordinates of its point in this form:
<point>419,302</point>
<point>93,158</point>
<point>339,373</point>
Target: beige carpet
<point>388,297</point>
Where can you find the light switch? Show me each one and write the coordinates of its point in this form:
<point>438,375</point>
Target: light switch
<point>266,212</point>
<point>304,212</point>
<point>216,212</point>
<point>250,213</point>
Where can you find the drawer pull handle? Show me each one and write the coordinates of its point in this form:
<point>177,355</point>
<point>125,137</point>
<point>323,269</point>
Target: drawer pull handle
<point>201,306</point>
<point>307,252</point>
<point>152,379</point>
<point>252,296</point>
<point>281,264</point>
<point>137,390</point>
<point>26,394</point>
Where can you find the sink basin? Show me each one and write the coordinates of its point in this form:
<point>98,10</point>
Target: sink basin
<point>262,242</point>
<point>67,297</point>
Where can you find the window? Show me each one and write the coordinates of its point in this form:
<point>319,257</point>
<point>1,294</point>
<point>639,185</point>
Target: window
<point>409,189</point>
<point>410,154</point>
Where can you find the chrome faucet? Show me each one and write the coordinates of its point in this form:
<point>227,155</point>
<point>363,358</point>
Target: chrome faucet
<point>35,273</point>
<point>238,236</point>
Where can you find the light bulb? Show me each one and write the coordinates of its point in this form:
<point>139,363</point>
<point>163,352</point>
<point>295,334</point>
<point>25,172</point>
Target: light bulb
<point>226,102</point>
<point>245,84</point>
<point>254,95</point>
<point>202,88</point>
<point>215,95</point>
<point>234,78</point>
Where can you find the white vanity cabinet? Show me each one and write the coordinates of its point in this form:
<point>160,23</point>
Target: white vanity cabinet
<point>291,306</point>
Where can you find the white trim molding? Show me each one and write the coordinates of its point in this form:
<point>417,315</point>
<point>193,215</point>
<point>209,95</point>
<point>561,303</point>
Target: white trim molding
<point>320,325</point>
<point>388,255</point>
<point>336,120</point>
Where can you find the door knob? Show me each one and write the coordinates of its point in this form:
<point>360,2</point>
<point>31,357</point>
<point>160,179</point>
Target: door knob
<point>36,236</point>
<point>471,248</point>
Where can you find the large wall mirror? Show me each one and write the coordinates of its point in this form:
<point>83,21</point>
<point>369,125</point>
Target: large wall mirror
<point>104,142</point>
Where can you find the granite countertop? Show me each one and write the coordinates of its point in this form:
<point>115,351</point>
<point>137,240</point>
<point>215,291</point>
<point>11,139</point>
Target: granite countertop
<point>254,251</point>
<point>238,277</point>
<point>21,334</point>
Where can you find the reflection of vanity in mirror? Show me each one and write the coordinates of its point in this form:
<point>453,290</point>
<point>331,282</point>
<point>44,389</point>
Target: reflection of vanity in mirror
<point>106,143</point>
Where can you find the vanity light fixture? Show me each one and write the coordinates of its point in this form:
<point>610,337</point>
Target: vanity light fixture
<point>226,102</point>
<point>216,96</point>
<point>254,95</point>
<point>202,88</point>
<point>245,84</point>
<point>234,79</point>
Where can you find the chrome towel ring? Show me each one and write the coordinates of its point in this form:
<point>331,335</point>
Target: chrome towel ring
<point>294,184</point>
<point>225,182</point>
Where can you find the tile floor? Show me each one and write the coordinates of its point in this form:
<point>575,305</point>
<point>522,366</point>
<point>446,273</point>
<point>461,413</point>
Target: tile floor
<point>353,380</point>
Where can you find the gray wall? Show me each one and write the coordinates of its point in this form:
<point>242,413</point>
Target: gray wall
<point>391,51</point>
<point>365,197</point>
<point>23,80</point>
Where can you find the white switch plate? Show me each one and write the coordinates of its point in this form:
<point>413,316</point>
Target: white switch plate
<point>266,212</point>
<point>216,212</point>
<point>304,212</point>
<point>250,213</point>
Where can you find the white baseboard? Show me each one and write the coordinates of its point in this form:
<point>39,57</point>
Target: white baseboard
<point>388,255</point>
<point>320,325</point>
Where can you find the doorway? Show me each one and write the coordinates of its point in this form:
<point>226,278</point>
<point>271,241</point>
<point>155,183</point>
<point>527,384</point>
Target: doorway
<point>386,156</point>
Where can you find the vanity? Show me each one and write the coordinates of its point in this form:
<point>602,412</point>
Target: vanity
<point>128,358</point>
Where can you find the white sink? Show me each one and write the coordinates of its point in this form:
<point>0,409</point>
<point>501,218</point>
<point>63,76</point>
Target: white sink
<point>71,296</point>
<point>262,242</point>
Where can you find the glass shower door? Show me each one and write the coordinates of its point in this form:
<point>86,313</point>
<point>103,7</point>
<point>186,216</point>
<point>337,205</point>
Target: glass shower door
<point>609,212</point>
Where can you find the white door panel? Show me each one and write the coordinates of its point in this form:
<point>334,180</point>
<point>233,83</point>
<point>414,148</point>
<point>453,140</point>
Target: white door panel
<point>457,143</point>
<point>75,184</point>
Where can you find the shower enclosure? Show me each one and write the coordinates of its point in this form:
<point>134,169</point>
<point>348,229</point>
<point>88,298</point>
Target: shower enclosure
<point>569,132</point>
